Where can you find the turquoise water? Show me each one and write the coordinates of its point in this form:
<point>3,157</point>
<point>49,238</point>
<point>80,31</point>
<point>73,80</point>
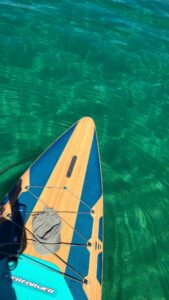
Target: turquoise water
<point>61,60</point>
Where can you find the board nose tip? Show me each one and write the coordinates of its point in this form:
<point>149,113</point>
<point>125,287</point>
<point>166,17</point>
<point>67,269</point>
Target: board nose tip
<point>88,120</point>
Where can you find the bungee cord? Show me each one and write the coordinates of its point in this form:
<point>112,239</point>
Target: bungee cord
<point>44,244</point>
<point>60,188</point>
<point>75,230</point>
<point>57,256</point>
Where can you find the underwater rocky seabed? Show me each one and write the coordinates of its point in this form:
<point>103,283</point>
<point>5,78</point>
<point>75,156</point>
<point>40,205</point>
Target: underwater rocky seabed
<point>61,60</point>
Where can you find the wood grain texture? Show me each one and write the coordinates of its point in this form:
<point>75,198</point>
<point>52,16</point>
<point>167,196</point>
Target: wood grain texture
<point>62,200</point>
<point>93,288</point>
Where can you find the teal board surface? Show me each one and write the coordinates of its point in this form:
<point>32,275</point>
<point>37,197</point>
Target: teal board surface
<point>32,280</point>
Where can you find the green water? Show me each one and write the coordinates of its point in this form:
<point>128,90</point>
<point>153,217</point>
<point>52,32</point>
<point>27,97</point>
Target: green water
<point>61,60</point>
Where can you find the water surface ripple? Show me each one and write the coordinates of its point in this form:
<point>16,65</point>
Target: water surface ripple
<point>61,60</point>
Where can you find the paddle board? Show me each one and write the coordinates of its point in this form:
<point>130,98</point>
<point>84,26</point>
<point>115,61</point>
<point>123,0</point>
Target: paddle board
<point>66,179</point>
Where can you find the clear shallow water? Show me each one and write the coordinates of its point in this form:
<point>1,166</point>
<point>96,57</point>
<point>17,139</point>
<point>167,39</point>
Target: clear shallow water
<point>61,60</point>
